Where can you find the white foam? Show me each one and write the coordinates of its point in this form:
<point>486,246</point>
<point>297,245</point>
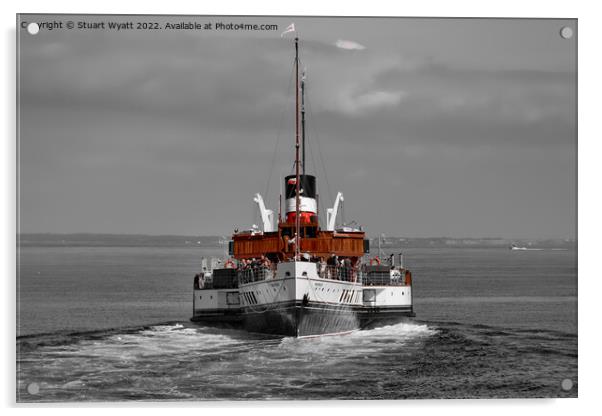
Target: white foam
<point>166,328</point>
<point>330,349</point>
<point>155,341</point>
<point>402,329</point>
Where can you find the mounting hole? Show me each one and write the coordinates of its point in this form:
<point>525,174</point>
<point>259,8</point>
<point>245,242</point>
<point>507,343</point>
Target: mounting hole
<point>566,32</point>
<point>33,28</point>
<point>33,388</point>
<point>566,384</point>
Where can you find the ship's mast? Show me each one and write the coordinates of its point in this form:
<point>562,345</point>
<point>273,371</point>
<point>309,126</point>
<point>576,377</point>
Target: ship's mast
<point>303,120</point>
<point>298,179</point>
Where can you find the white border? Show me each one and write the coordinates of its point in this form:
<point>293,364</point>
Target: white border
<point>589,189</point>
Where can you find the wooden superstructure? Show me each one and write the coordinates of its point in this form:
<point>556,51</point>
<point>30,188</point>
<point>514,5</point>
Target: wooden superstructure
<point>277,246</point>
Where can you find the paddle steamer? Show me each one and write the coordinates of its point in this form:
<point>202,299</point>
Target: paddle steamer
<point>299,277</point>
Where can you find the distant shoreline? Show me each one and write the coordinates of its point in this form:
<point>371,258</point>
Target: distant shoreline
<point>142,240</point>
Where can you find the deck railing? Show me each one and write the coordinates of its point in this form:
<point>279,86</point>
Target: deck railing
<point>255,274</point>
<point>343,273</point>
<point>382,278</point>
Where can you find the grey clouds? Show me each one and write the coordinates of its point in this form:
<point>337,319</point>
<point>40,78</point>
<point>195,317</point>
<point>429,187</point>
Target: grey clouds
<point>455,127</point>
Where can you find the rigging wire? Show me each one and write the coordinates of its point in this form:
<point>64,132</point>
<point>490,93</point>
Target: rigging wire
<point>307,135</point>
<point>311,156</point>
<point>278,134</point>
<point>307,142</point>
<point>315,169</point>
<point>315,135</point>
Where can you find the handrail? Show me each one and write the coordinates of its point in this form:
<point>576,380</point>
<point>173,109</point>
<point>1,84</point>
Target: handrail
<point>382,278</point>
<point>255,274</point>
<point>343,273</point>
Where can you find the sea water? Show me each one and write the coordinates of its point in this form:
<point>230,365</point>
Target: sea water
<point>101,322</point>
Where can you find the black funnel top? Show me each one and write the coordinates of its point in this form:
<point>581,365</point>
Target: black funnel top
<point>307,186</point>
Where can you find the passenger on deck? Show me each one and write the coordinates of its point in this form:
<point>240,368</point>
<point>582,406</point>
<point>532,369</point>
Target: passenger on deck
<point>322,269</point>
<point>252,268</point>
<point>348,270</point>
<point>332,262</point>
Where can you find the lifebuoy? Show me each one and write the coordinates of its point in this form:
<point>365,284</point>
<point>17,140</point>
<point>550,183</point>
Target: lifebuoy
<point>229,264</point>
<point>374,261</point>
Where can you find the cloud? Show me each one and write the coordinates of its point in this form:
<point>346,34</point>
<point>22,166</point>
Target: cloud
<point>463,118</point>
<point>372,100</point>
<point>349,45</point>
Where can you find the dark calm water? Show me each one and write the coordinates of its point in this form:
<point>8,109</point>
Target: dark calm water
<point>111,323</point>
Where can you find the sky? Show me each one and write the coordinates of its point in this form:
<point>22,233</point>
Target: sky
<point>429,127</point>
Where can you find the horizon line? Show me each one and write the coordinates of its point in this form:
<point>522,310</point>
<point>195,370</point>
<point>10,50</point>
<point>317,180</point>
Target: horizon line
<point>81,233</point>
